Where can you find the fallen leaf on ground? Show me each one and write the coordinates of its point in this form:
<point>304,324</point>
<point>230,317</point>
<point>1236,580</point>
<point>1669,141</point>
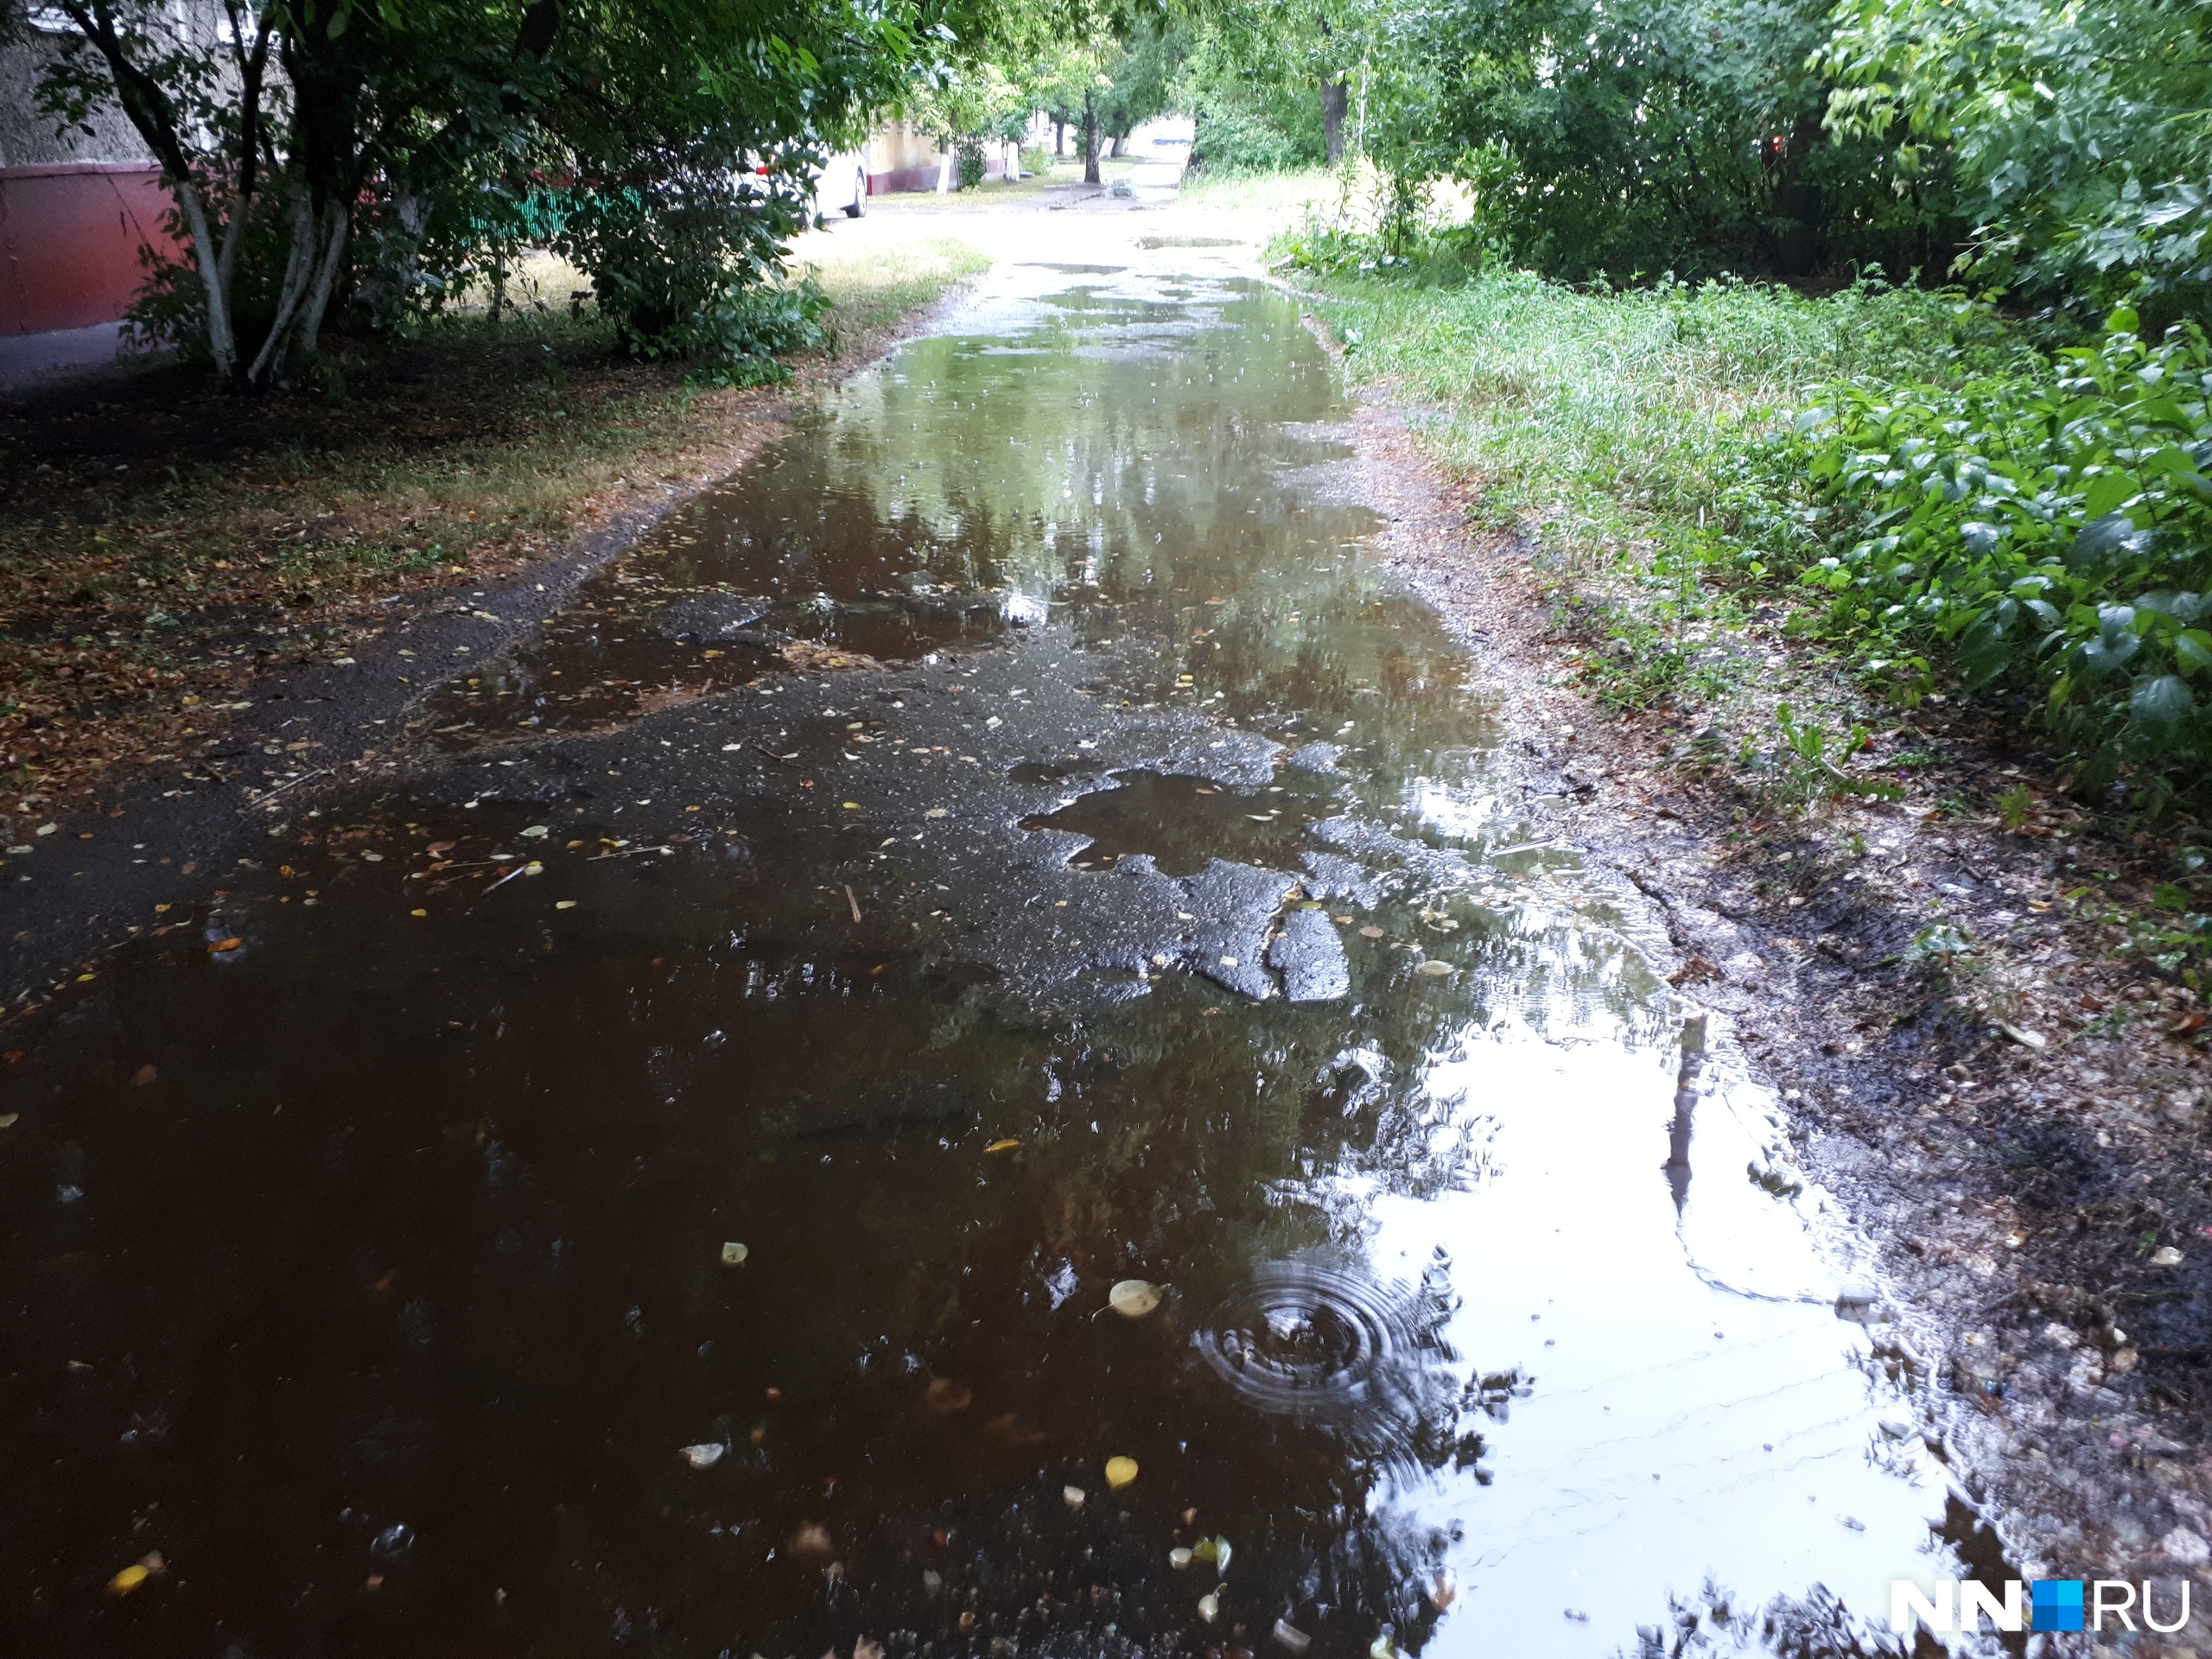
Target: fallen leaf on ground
<point>1370,932</point>
<point>2166,1256</point>
<point>218,946</point>
<point>1072,1496</point>
<point>1001,1146</point>
<point>143,1075</point>
<point>946,1395</point>
<point>733,1255</point>
<point>1291,1638</point>
<point>2025,1039</point>
<point>705,1455</point>
<point>811,1542</point>
<point>1132,1298</point>
<point>1119,1472</point>
<point>1434,968</point>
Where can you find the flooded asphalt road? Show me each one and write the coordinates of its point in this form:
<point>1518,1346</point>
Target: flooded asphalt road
<point>653,1182</point>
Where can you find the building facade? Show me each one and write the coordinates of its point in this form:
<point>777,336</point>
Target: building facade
<point>77,210</point>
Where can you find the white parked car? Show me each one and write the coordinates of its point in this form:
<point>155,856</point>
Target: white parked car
<point>842,186</point>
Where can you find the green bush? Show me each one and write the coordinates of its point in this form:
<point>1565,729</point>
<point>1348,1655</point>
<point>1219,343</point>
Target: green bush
<point>968,159</point>
<point>670,255</point>
<point>1257,134</point>
<point>738,340</point>
<point>2049,528</point>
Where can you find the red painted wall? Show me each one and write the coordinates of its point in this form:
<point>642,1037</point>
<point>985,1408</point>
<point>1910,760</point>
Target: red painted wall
<point>69,239</point>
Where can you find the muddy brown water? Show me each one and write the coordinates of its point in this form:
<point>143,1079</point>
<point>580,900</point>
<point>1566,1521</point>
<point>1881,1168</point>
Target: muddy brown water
<point>1143,899</point>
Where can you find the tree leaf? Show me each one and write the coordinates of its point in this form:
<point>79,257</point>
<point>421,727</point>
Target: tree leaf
<point>2160,702</point>
<point>1133,1298</point>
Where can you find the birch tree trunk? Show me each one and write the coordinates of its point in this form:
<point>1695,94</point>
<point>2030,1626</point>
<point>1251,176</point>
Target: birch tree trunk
<point>299,267</point>
<point>338,222</point>
<point>213,273</point>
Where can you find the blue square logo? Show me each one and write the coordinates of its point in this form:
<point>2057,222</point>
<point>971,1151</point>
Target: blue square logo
<point>2056,1603</point>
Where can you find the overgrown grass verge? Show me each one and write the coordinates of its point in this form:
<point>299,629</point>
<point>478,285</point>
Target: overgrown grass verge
<point>1634,437</point>
<point>1786,521</point>
<point>158,541</point>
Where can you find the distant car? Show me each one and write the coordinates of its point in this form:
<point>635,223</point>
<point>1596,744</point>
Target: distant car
<point>841,187</point>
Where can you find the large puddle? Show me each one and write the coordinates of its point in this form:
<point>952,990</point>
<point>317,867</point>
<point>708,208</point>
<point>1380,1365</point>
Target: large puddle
<point>657,1184</point>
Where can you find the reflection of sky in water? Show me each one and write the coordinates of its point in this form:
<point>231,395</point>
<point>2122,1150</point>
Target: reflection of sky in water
<point>1676,1427</point>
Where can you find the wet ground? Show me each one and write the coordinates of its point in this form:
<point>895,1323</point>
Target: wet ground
<point>654,1178</point>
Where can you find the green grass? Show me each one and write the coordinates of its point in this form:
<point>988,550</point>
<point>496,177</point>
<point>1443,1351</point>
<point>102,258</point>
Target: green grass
<point>1629,437</point>
<point>1612,418</point>
<point>1286,193</point>
<point>1899,478</point>
<point>875,284</point>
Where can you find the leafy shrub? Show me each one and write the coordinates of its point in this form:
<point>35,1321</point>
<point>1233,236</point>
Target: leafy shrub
<point>2051,528</point>
<point>1037,159</point>
<point>967,160</point>
<point>1625,138</point>
<point>1257,135</point>
<point>737,341</point>
<point>670,257</point>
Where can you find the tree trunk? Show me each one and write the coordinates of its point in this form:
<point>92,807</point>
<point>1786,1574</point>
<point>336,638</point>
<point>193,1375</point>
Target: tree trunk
<point>1336,99</point>
<point>1089,144</point>
<point>1060,139</point>
<point>222,346</point>
<point>299,271</point>
<point>334,254</point>
<point>310,269</point>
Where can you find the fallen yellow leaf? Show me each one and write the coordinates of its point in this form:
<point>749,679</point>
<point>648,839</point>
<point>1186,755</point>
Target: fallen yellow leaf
<point>1119,1472</point>
<point>1001,1146</point>
<point>128,1580</point>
